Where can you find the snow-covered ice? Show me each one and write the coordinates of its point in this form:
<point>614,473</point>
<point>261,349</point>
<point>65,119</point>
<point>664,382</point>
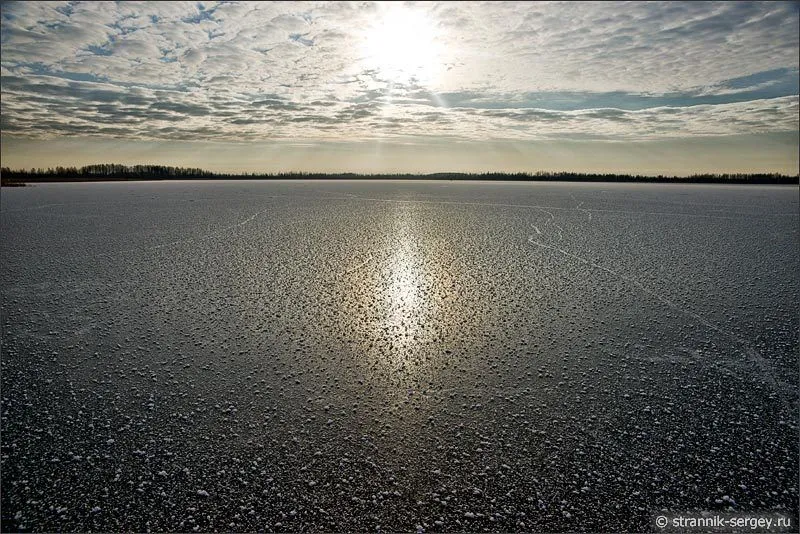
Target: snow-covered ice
<point>418,356</point>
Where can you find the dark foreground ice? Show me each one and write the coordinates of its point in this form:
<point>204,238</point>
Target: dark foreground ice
<point>404,356</point>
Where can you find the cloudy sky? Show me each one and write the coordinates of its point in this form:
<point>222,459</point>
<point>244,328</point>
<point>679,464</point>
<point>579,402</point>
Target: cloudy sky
<point>648,87</point>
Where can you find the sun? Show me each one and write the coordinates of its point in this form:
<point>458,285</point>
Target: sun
<point>403,45</point>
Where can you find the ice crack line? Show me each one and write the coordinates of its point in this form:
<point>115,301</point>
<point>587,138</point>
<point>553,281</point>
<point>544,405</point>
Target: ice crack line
<point>578,206</point>
<point>369,258</point>
<point>378,256</point>
<point>586,211</point>
<point>210,234</point>
<point>552,222</point>
<point>736,216</point>
<point>190,239</point>
<point>38,207</point>
<point>764,366</point>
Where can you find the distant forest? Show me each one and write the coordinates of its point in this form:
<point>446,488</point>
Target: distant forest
<point>114,172</point>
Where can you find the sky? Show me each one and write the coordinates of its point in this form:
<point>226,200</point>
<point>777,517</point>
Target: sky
<point>634,87</point>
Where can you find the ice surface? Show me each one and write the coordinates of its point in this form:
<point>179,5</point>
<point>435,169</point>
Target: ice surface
<point>413,356</point>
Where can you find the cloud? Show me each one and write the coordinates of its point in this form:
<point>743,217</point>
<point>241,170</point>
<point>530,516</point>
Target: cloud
<point>286,70</point>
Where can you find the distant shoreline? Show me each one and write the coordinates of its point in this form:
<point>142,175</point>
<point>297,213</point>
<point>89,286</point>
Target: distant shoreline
<point>124,173</point>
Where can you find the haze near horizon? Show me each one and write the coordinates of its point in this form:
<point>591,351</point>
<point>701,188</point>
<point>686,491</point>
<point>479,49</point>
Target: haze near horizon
<point>650,88</point>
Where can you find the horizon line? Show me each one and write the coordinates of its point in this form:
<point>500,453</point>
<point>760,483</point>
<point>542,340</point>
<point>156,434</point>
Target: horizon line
<point>148,172</point>
<point>91,170</point>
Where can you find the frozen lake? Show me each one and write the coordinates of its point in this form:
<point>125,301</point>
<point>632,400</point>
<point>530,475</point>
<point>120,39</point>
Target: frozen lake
<point>396,355</point>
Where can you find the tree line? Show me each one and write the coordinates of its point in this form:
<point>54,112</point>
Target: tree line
<point>117,172</point>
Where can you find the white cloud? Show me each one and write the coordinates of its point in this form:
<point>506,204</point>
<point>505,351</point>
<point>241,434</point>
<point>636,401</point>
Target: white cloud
<point>221,60</point>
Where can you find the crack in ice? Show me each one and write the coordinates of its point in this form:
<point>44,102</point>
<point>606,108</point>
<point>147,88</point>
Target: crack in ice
<point>764,366</point>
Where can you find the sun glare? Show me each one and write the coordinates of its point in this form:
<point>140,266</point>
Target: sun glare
<point>403,45</point>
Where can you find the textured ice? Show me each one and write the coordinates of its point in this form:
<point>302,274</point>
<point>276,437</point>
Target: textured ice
<point>409,356</point>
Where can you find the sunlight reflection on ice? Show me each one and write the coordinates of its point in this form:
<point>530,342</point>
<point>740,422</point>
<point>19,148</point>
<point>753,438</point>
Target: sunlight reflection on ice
<point>405,302</point>
<point>404,295</point>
